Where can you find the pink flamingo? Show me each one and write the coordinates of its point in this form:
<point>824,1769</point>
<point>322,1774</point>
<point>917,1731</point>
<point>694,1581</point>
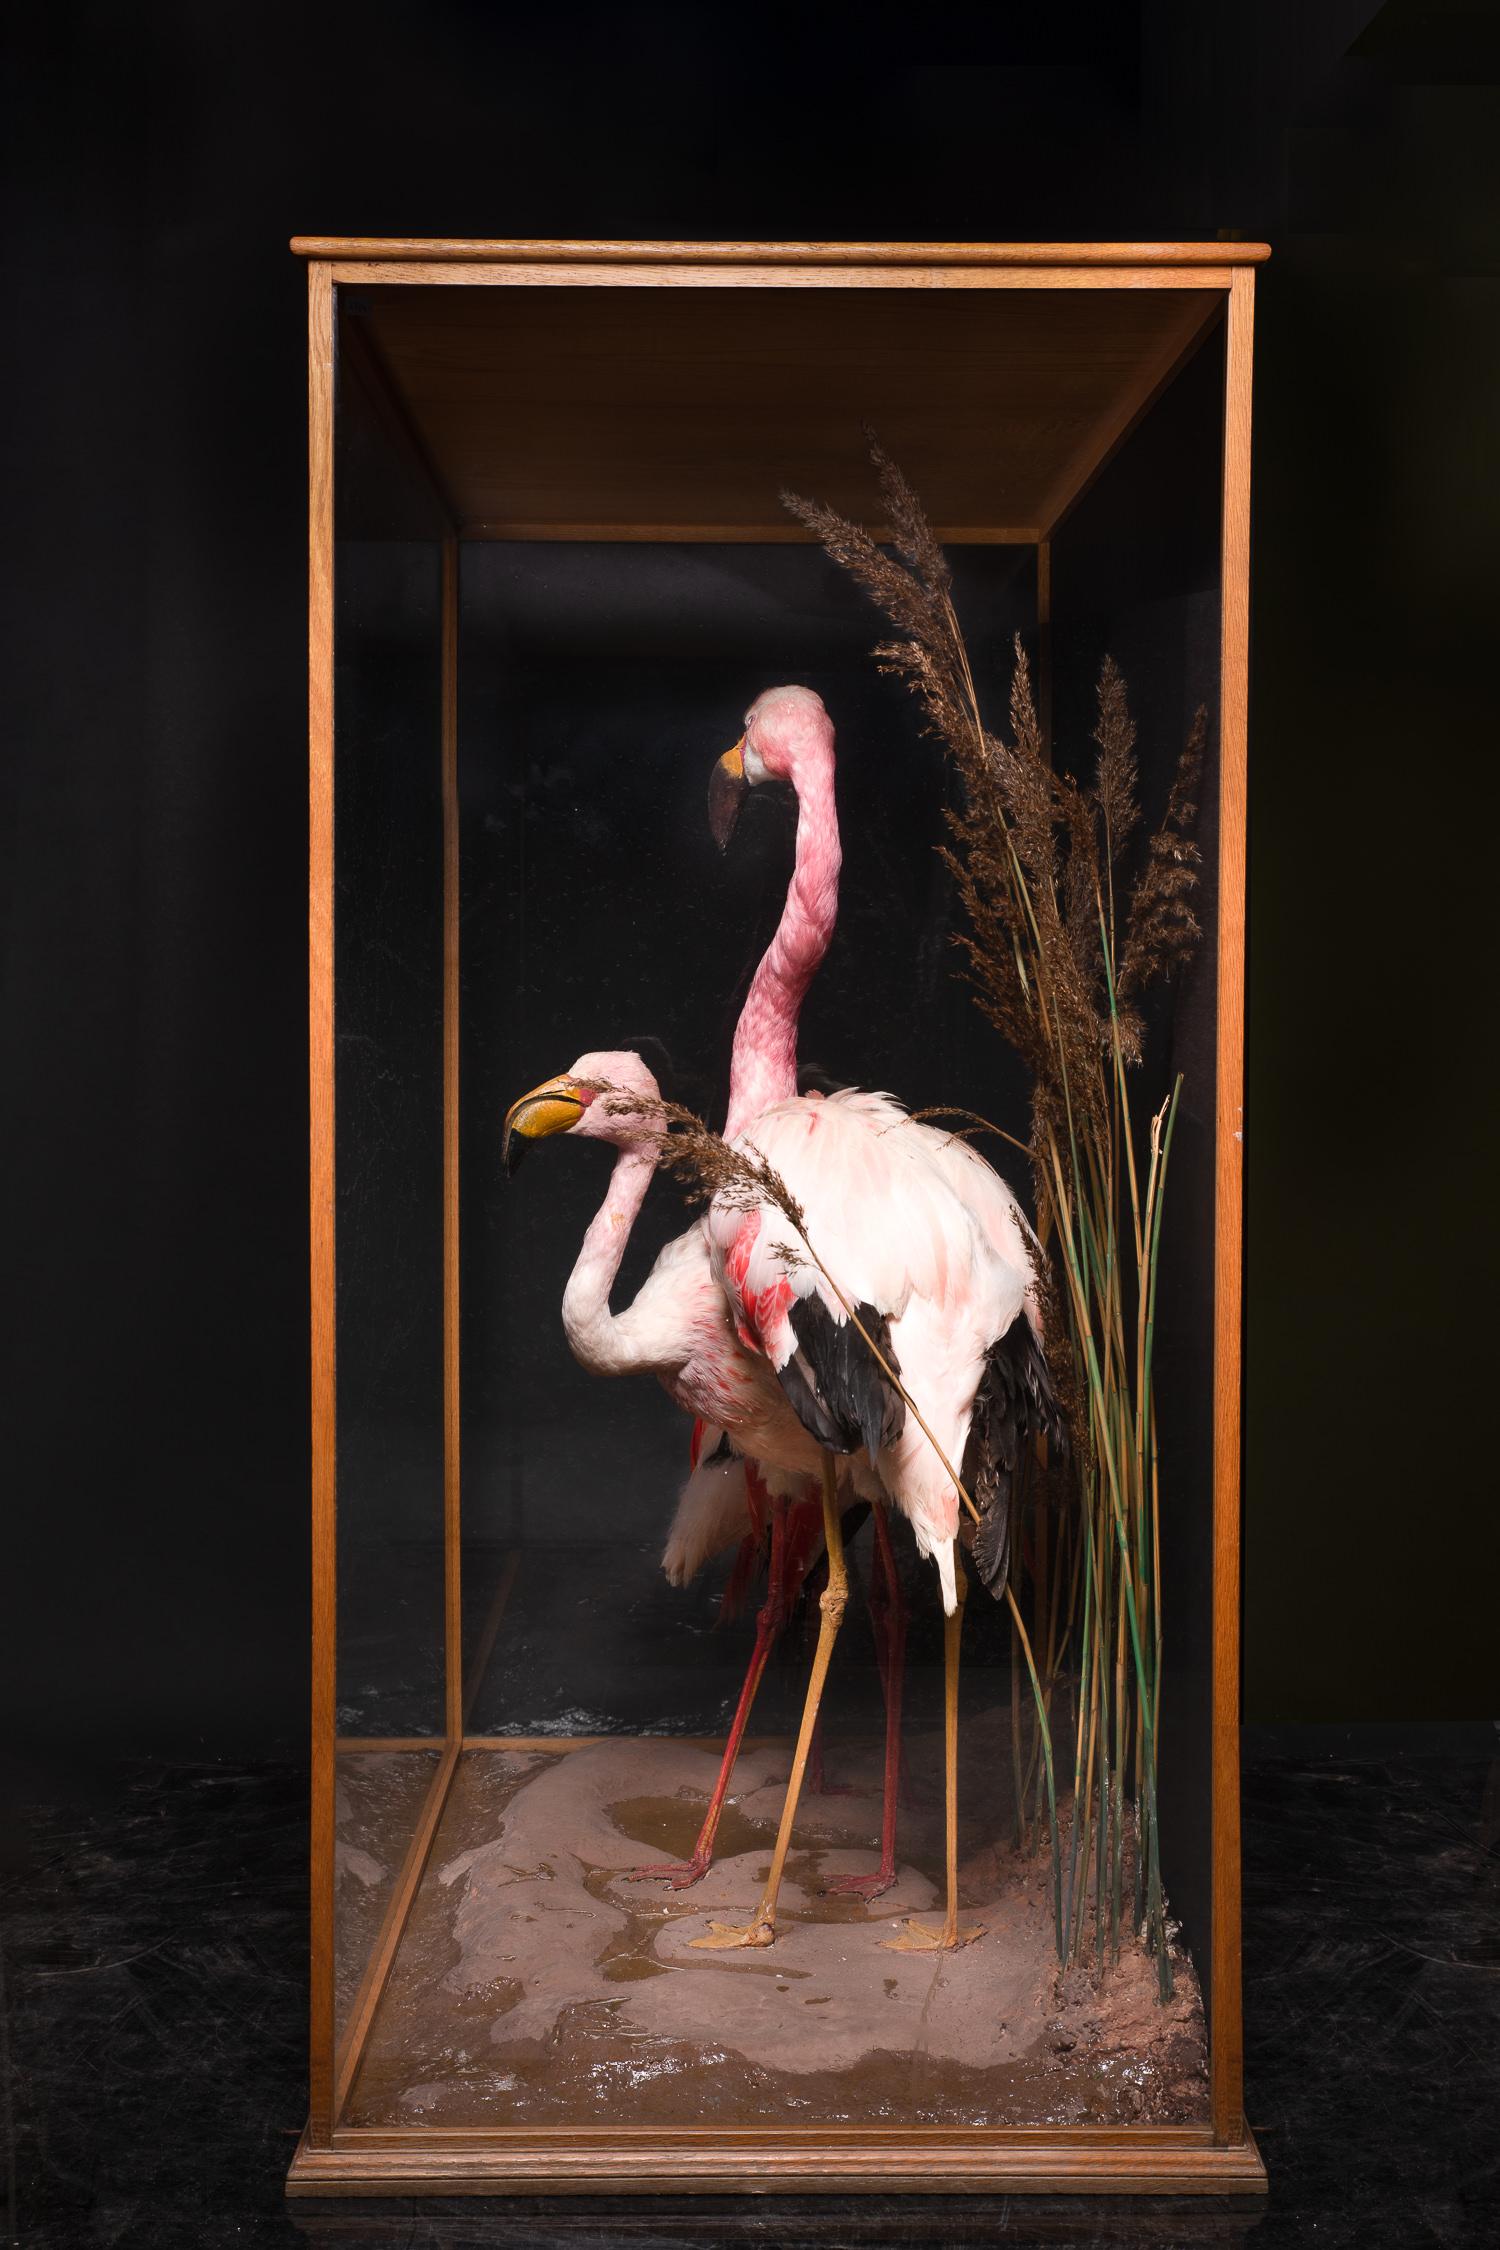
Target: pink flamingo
<point>787,733</point>
<point>917,1237</point>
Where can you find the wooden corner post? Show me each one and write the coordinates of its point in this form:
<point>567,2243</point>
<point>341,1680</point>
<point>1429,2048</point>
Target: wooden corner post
<point>320,406</point>
<point>1227,2023</point>
<point>453,1654</point>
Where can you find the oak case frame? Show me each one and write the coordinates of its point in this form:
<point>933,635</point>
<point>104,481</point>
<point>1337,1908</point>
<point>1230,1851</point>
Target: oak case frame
<point>333,2158</point>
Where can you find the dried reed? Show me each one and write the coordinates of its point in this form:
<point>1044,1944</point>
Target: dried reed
<point>1058,962</point>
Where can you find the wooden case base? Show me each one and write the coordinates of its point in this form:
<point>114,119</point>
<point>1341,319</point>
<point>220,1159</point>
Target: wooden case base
<point>1095,2160</point>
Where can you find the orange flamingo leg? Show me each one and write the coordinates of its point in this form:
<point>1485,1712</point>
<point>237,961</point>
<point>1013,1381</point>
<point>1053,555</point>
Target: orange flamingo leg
<point>888,1616</point>
<point>761,1928</point>
<point>921,1937</point>
<point>817,1771</point>
<point>681,1874</point>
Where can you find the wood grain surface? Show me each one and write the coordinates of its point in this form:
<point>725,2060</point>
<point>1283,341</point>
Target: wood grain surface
<point>440,249</point>
<point>323,1270</point>
<point>636,412</point>
<point>1227,2040</point>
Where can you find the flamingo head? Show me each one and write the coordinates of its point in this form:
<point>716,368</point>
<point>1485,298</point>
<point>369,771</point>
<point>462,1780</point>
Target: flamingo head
<point>787,732</point>
<point>578,1101</point>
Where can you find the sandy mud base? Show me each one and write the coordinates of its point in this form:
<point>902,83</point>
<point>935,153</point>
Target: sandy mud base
<point>538,1984</point>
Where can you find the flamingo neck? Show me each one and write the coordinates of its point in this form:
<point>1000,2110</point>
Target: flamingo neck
<point>763,1065</point>
<point>593,1331</point>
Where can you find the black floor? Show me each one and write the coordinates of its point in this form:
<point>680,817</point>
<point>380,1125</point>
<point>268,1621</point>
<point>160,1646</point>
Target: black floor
<point>153,2020</point>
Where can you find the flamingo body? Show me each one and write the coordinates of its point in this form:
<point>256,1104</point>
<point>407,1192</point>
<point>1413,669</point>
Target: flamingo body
<point>918,1230</point>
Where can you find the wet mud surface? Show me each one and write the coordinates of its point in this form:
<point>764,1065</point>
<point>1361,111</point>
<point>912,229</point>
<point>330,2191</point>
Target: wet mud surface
<point>538,1984</point>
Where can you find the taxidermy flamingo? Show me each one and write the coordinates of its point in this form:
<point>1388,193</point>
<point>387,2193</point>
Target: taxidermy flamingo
<point>787,732</point>
<point>917,1237</point>
<point>678,1328</point>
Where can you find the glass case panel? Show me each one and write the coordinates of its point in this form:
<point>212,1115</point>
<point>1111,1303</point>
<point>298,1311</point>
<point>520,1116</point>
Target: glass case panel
<point>388,997</point>
<point>599,687</point>
<point>1136,575</point>
<point>552,1969</point>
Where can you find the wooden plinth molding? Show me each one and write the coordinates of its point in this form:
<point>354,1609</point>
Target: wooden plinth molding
<point>1083,2161</point>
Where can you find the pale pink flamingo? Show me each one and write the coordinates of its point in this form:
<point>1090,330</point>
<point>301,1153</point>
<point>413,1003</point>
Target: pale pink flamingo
<point>678,1328</point>
<point>915,1232</point>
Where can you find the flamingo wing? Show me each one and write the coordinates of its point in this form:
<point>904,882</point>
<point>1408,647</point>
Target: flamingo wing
<point>1014,1405</point>
<point>885,1226</point>
<point>922,1239</point>
<point>833,1381</point>
<point>994,1204</point>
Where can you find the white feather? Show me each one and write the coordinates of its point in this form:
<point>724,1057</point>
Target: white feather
<point>912,1222</point>
<point>713,1512</point>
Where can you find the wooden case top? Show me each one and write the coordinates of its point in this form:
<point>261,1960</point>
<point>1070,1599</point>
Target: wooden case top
<point>446,249</point>
<point>565,402</point>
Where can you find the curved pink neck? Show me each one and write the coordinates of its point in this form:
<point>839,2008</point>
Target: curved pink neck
<point>763,1065</point>
<point>602,1341</point>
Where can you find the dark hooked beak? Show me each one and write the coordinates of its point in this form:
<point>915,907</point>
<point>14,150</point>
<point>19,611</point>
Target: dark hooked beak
<point>551,1108</point>
<point>727,787</point>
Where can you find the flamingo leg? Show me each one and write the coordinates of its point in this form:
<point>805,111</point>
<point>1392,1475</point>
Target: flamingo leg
<point>761,1928</point>
<point>817,1775</point>
<point>771,1618</point>
<point>921,1937</point>
<point>817,1779</point>
<point>888,1616</point>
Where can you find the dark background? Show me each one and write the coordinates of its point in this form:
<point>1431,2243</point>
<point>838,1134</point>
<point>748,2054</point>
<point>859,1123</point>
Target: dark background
<point>153,1238</point>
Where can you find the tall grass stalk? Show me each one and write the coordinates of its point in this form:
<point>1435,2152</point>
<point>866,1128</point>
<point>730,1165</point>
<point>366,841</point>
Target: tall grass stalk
<point>1059,959</point>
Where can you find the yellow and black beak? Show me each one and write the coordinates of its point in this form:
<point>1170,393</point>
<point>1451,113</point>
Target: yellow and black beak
<point>727,789</point>
<point>546,1109</point>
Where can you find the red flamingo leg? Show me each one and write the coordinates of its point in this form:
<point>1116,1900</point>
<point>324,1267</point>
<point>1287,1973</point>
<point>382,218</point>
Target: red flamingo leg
<point>817,1774</point>
<point>772,1616</point>
<point>888,1614</point>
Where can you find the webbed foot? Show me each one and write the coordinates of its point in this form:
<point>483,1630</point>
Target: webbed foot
<point>721,1936</point>
<point>873,1885</point>
<point>678,1874</point>
<point>927,1937</point>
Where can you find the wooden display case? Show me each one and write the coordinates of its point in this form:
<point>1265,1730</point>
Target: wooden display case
<point>577,395</point>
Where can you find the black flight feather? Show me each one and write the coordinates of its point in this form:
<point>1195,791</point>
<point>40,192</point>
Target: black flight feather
<point>1013,1407</point>
<point>836,1387</point>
